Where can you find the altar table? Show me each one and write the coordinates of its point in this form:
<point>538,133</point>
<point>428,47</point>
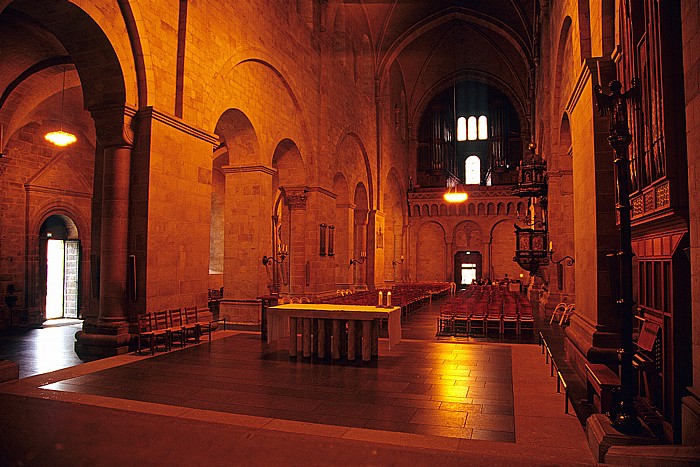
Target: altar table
<point>324,328</point>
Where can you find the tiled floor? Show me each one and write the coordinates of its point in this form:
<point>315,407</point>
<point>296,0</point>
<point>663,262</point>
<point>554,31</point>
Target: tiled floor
<point>426,401</point>
<point>444,389</point>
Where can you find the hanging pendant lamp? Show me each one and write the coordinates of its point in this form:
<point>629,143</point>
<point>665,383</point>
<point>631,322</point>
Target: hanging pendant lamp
<point>60,137</point>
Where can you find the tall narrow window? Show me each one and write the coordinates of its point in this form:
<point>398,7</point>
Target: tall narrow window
<point>471,128</point>
<point>472,170</point>
<point>461,129</point>
<point>483,127</point>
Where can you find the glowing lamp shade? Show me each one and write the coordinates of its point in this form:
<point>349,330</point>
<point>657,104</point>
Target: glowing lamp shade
<point>60,138</point>
<point>455,195</point>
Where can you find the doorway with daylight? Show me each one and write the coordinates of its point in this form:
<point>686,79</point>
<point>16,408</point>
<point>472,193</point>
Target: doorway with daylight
<point>467,268</point>
<point>59,267</point>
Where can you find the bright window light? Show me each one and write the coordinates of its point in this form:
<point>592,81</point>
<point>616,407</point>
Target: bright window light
<point>483,127</point>
<point>471,128</point>
<point>472,170</point>
<point>461,129</point>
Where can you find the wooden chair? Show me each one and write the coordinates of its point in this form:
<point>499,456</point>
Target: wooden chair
<point>176,327</point>
<point>202,326</point>
<point>160,324</point>
<point>477,320</point>
<point>445,323</point>
<point>526,320</point>
<point>190,325</point>
<point>460,321</point>
<point>145,332</point>
<point>510,319</point>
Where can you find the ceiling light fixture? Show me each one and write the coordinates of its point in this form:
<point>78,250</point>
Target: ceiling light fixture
<point>60,137</point>
<point>455,194</point>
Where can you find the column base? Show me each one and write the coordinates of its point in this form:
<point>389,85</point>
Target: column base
<point>602,436</point>
<point>9,370</point>
<point>102,339</point>
<point>690,407</point>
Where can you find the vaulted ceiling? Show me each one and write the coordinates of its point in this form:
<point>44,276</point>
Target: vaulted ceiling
<point>435,43</point>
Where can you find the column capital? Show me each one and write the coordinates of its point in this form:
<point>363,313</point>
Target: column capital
<point>295,196</point>
<point>114,126</point>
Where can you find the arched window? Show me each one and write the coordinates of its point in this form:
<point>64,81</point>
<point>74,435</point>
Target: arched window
<point>472,170</point>
<point>461,129</point>
<point>483,127</point>
<point>471,128</point>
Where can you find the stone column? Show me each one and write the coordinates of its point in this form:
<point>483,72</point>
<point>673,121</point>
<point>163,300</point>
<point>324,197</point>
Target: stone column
<point>691,403</point>
<point>296,199</point>
<point>247,238</point>
<point>110,334</point>
<point>375,249</point>
<point>360,243</point>
<point>344,245</point>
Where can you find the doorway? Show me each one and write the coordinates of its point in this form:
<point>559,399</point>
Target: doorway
<point>467,268</point>
<point>468,274</point>
<point>60,269</point>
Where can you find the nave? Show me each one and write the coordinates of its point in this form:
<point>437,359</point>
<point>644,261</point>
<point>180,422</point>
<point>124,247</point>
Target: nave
<point>433,400</point>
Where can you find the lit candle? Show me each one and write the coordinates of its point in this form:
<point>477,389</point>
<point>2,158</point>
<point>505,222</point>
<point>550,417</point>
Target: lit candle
<point>401,257</point>
<point>388,298</point>
<point>550,246</point>
<point>381,299</point>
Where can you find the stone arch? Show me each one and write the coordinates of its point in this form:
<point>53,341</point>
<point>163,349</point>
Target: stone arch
<point>472,209</point>
<point>491,209</point>
<point>502,250</point>
<point>360,232</point>
<point>563,62</point>
<point>425,211</point>
<point>114,71</point>
<point>471,233</point>
<point>510,209</point>
<point>434,210</point>
<point>244,75</point>
<point>352,158</point>
<point>416,211</point>
<point>481,209</point>
<point>237,135</point>
<point>77,228</point>
<point>500,209</point>
<point>430,252</point>
<point>462,209</point>
<point>289,165</point>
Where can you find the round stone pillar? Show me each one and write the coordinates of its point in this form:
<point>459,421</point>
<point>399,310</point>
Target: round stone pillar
<point>109,335</point>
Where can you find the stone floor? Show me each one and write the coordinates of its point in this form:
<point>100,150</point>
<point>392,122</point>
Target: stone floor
<point>237,400</point>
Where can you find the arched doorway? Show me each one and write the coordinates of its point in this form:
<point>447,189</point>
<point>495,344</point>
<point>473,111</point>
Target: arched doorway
<point>59,267</point>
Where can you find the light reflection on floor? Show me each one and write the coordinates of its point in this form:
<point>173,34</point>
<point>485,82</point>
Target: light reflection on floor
<point>41,350</point>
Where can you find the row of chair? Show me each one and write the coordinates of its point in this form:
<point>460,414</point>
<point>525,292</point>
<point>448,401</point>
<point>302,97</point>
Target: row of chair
<point>164,327</point>
<point>480,309</point>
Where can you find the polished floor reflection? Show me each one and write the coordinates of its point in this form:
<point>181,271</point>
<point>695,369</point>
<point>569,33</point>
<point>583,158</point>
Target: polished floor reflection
<point>427,401</point>
<point>41,350</point>
<point>444,389</point>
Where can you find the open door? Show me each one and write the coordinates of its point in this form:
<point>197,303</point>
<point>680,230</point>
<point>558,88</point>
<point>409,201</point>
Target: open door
<point>62,278</point>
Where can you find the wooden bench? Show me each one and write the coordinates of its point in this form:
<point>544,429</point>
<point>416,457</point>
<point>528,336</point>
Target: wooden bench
<point>600,382</point>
